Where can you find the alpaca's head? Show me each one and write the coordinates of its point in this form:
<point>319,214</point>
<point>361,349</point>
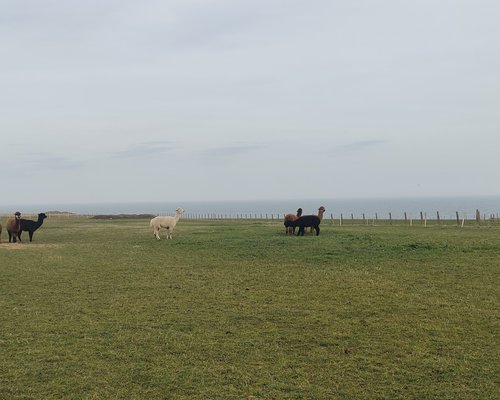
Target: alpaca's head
<point>179,211</point>
<point>299,212</point>
<point>321,211</point>
<point>42,216</point>
<point>17,215</point>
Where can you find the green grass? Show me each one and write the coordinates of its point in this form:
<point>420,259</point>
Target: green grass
<point>237,310</point>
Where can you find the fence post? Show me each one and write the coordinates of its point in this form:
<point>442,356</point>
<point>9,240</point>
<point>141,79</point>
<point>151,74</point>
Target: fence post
<point>458,219</point>
<point>478,217</point>
<point>390,218</point>
<point>421,217</point>
<point>439,219</point>
<point>406,219</point>
<point>341,218</point>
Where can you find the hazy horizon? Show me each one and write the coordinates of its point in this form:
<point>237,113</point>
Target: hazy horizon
<point>298,199</point>
<point>232,100</point>
<point>447,206</point>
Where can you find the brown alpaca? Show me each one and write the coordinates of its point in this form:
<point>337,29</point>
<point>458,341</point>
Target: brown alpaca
<point>13,227</point>
<point>289,218</point>
<point>321,211</point>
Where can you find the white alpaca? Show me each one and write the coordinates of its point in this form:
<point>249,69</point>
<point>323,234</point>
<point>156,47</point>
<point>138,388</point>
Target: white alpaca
<point>166,222</point>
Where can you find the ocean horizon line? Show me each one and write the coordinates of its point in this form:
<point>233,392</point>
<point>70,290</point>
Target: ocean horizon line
<point>397,206</point>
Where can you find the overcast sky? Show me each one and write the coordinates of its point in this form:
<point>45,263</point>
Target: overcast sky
<point>104,101</point>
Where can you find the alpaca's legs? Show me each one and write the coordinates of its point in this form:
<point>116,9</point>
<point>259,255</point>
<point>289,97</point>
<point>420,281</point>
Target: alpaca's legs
<point>317,230</point>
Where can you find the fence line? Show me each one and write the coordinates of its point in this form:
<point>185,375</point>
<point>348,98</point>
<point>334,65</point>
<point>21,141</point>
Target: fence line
<point>339,219</point>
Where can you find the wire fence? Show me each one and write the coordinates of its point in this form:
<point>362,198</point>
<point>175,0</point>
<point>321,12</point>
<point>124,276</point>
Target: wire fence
<point>420,219</point>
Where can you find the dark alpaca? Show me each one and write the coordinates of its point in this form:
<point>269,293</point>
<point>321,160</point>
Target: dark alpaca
<point>289,229</point>
<point>307,221</point>
<point>31,226</point>
<point>321,211</point>
<point>13,227</point>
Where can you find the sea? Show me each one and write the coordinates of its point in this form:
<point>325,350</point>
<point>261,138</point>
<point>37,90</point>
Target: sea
<point>370,207</point>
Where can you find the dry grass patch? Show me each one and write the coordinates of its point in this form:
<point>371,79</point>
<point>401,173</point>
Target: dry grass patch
<point>27,246</point>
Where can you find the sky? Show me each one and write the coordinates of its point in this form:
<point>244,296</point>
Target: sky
<point>198,100</point>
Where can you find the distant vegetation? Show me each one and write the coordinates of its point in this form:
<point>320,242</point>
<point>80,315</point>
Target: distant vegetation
<point>123,216</point>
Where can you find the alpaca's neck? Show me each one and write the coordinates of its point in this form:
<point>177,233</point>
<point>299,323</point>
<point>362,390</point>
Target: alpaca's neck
<point>39,222</point>
<point>177,217</point>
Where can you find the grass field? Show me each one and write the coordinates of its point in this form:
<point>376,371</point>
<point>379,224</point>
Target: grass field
<point>237,310</point>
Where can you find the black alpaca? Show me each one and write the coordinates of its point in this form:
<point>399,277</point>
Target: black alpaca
<point>31,226</point>
<point>307,221</point>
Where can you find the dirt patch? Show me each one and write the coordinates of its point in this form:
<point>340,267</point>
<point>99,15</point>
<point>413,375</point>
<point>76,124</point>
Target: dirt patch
<point>26,246</point>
